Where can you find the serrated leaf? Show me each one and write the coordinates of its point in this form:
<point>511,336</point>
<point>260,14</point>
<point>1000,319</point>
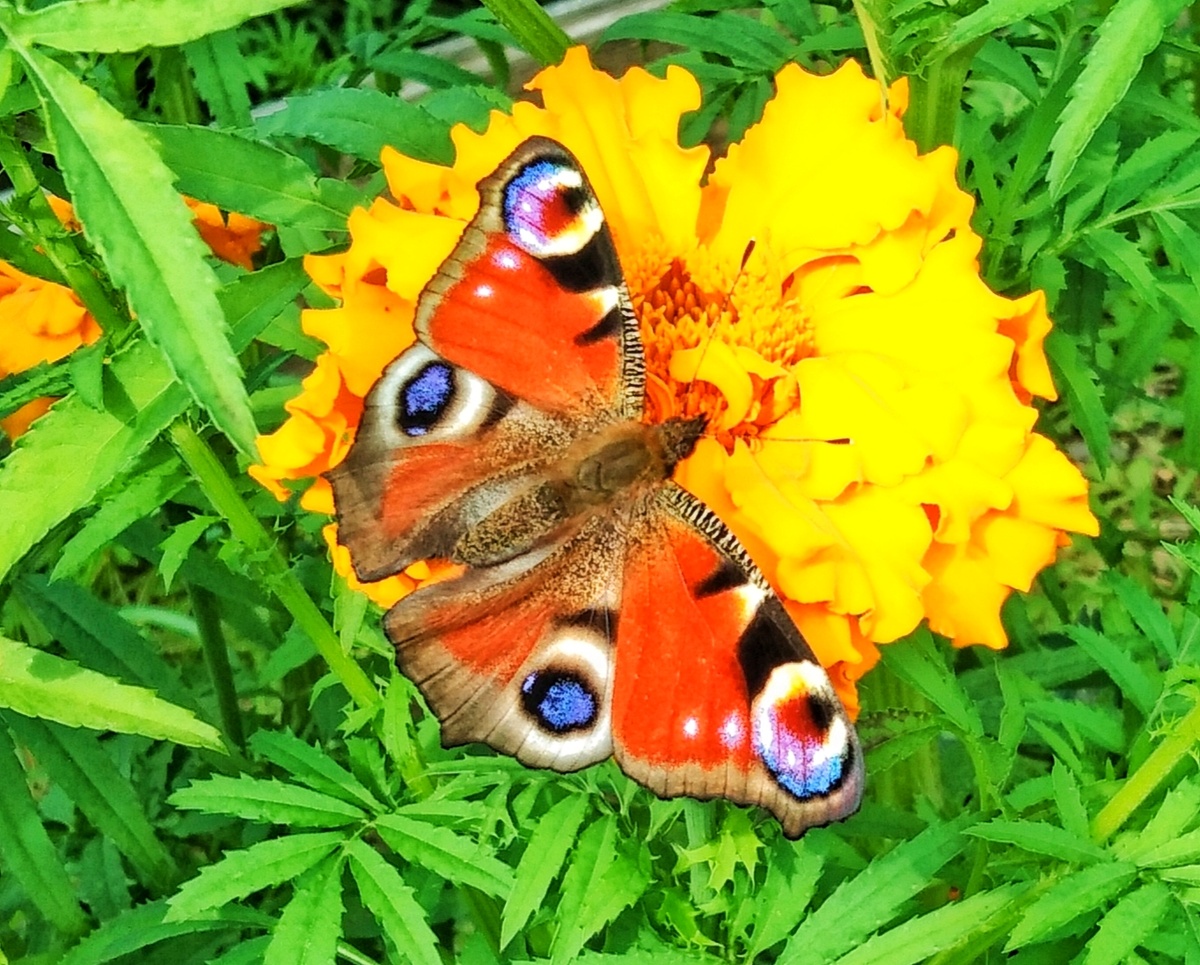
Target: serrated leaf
<point>143,231</point>
<point>1072,895</point>
<point>1071,811</point>
<point>1170,854</point>
<point>992,16</point>
<point>863,904</point>
<point>593,856</point>
<point>1146,165</point>
<point>922,937</point>
<point>241,873</point>
<point>83,450</point>
<point>1040,838</point>
<point>1124,259</point>
<point>311,924</point>
<point>29,854</point>
<point>541,862</point>
<point>140,927</point>
<point>42,685</point>
<point>361,122</point>
<point>621,885</point>
<point>919,663</point>
<point>792,873</point>
<point>1083,396</point>
<point>258,800</point>
<point>1131,29</point>
<point>1116,662</point>
<point>178,543</point>
<point>143,493</point>
<point>221,76</point>
<point>454,857</point>
<point>391,901</point>
<point>78,764</point>
<point>1181,242</point>
<point>108,26</point>
<point>252,178</point>
<point>744,41</point>
<point>312,766</point>
<point>1127,924</point>
<point>21,388</point>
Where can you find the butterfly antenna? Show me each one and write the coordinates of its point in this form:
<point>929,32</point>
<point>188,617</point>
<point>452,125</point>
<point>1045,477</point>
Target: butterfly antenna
<point>726,298</point>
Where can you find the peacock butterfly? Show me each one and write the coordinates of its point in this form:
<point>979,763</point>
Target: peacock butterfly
<point>601,609</point>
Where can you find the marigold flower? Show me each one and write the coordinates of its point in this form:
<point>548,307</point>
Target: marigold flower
<point>40,321</point>
<point>869,395</point>
<point>233,237</point>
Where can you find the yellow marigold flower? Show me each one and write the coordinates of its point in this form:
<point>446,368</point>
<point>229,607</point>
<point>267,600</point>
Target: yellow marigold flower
<point>234,237</point>
<point>40,321</point>
<point>869,396</point>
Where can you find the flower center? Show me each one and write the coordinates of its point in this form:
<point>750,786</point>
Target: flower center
<point>719,342</point>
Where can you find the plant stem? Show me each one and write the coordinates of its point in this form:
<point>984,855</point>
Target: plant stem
<point>1139,785</point>
<point>216,658</point>
<point>533,29</point>
<point>937,98</point>
<point>219,488</point>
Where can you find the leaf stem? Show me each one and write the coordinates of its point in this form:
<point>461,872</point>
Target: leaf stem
<point>937,98</point>
<point>1155,768</point>
<point>533,29</point>
<point>221,492</point>
<point>216,658</point>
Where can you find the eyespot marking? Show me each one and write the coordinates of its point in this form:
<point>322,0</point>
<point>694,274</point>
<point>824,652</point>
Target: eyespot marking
<point>559,701</point>
<point>425,397</point>
<point>798,733</point>
<point>548,210</point>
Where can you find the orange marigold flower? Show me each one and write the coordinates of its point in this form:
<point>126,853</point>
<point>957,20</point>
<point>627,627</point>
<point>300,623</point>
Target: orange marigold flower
<point>40,321</point>
<point>870,395</point>
<point>234,237</point>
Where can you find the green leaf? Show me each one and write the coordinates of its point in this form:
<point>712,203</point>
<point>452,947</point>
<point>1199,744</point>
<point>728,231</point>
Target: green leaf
<point>144,232</point>
<point>361,123</point>
<point>1040,838</point>
<point>592,858</point>
<point>552,840</point>
<point>219,68</point>
<point>79,765</point>
<point>1127,924</point>
<point>95,635</point>
<point>1146,611</point>
<point>1126,261</point>
<point>792,873</point>
<point>1170,854</point>
<point>1181,242</point>
<point>1083,395</point>
<point>257,800</point>
<point>1131,29</point>
<point>426,68</point>
<point>1072,895</point>
<point>445,853</point>
<point>140,927</point>
<point>746,42</point>
<point>1071,811</point>
<point>42,685</point>
<point>29,855</point>
<point>863,904</point>
<point>252,178</point>
<point>241,873</point>
<point>993,15</point>
<point>312,766</point>
<point>1116,662</point>
<point>1147,165</point>
<point>21,388</point>
<point>107,26</point>
<point>83,450</point>
<point>919,663</point>
<point>178,543</point>
<point>532,28</point>
<point>391,901</point>
<point>923,936</point>
<point>311,924</point>
<point>140,494</point>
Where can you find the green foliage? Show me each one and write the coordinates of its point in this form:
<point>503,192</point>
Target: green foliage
<point>205,755</point>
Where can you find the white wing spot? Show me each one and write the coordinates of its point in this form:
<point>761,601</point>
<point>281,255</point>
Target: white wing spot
<point>691,727</point>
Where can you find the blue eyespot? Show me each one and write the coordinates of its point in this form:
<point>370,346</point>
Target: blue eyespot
<point>425,397</point>
<point>558,701</point>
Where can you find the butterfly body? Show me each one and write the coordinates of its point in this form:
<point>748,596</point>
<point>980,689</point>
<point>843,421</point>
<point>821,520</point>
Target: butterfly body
<point>602,610</point>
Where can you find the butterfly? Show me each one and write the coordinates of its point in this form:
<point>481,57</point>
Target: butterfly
<point>601,609</point>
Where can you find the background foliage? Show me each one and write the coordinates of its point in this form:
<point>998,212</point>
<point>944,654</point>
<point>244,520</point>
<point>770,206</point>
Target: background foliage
<point>205,755</point>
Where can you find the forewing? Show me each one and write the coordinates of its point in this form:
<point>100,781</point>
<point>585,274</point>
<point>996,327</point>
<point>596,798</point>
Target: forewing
<point>715,692</point>
<point>533,299</point>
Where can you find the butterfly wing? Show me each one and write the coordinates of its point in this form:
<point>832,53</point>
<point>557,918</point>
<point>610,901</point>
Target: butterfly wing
<point>715,692</point>
<point>526,339</point>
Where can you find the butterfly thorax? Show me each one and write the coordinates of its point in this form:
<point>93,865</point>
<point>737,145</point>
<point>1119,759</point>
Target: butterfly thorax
<point>618,462</point>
